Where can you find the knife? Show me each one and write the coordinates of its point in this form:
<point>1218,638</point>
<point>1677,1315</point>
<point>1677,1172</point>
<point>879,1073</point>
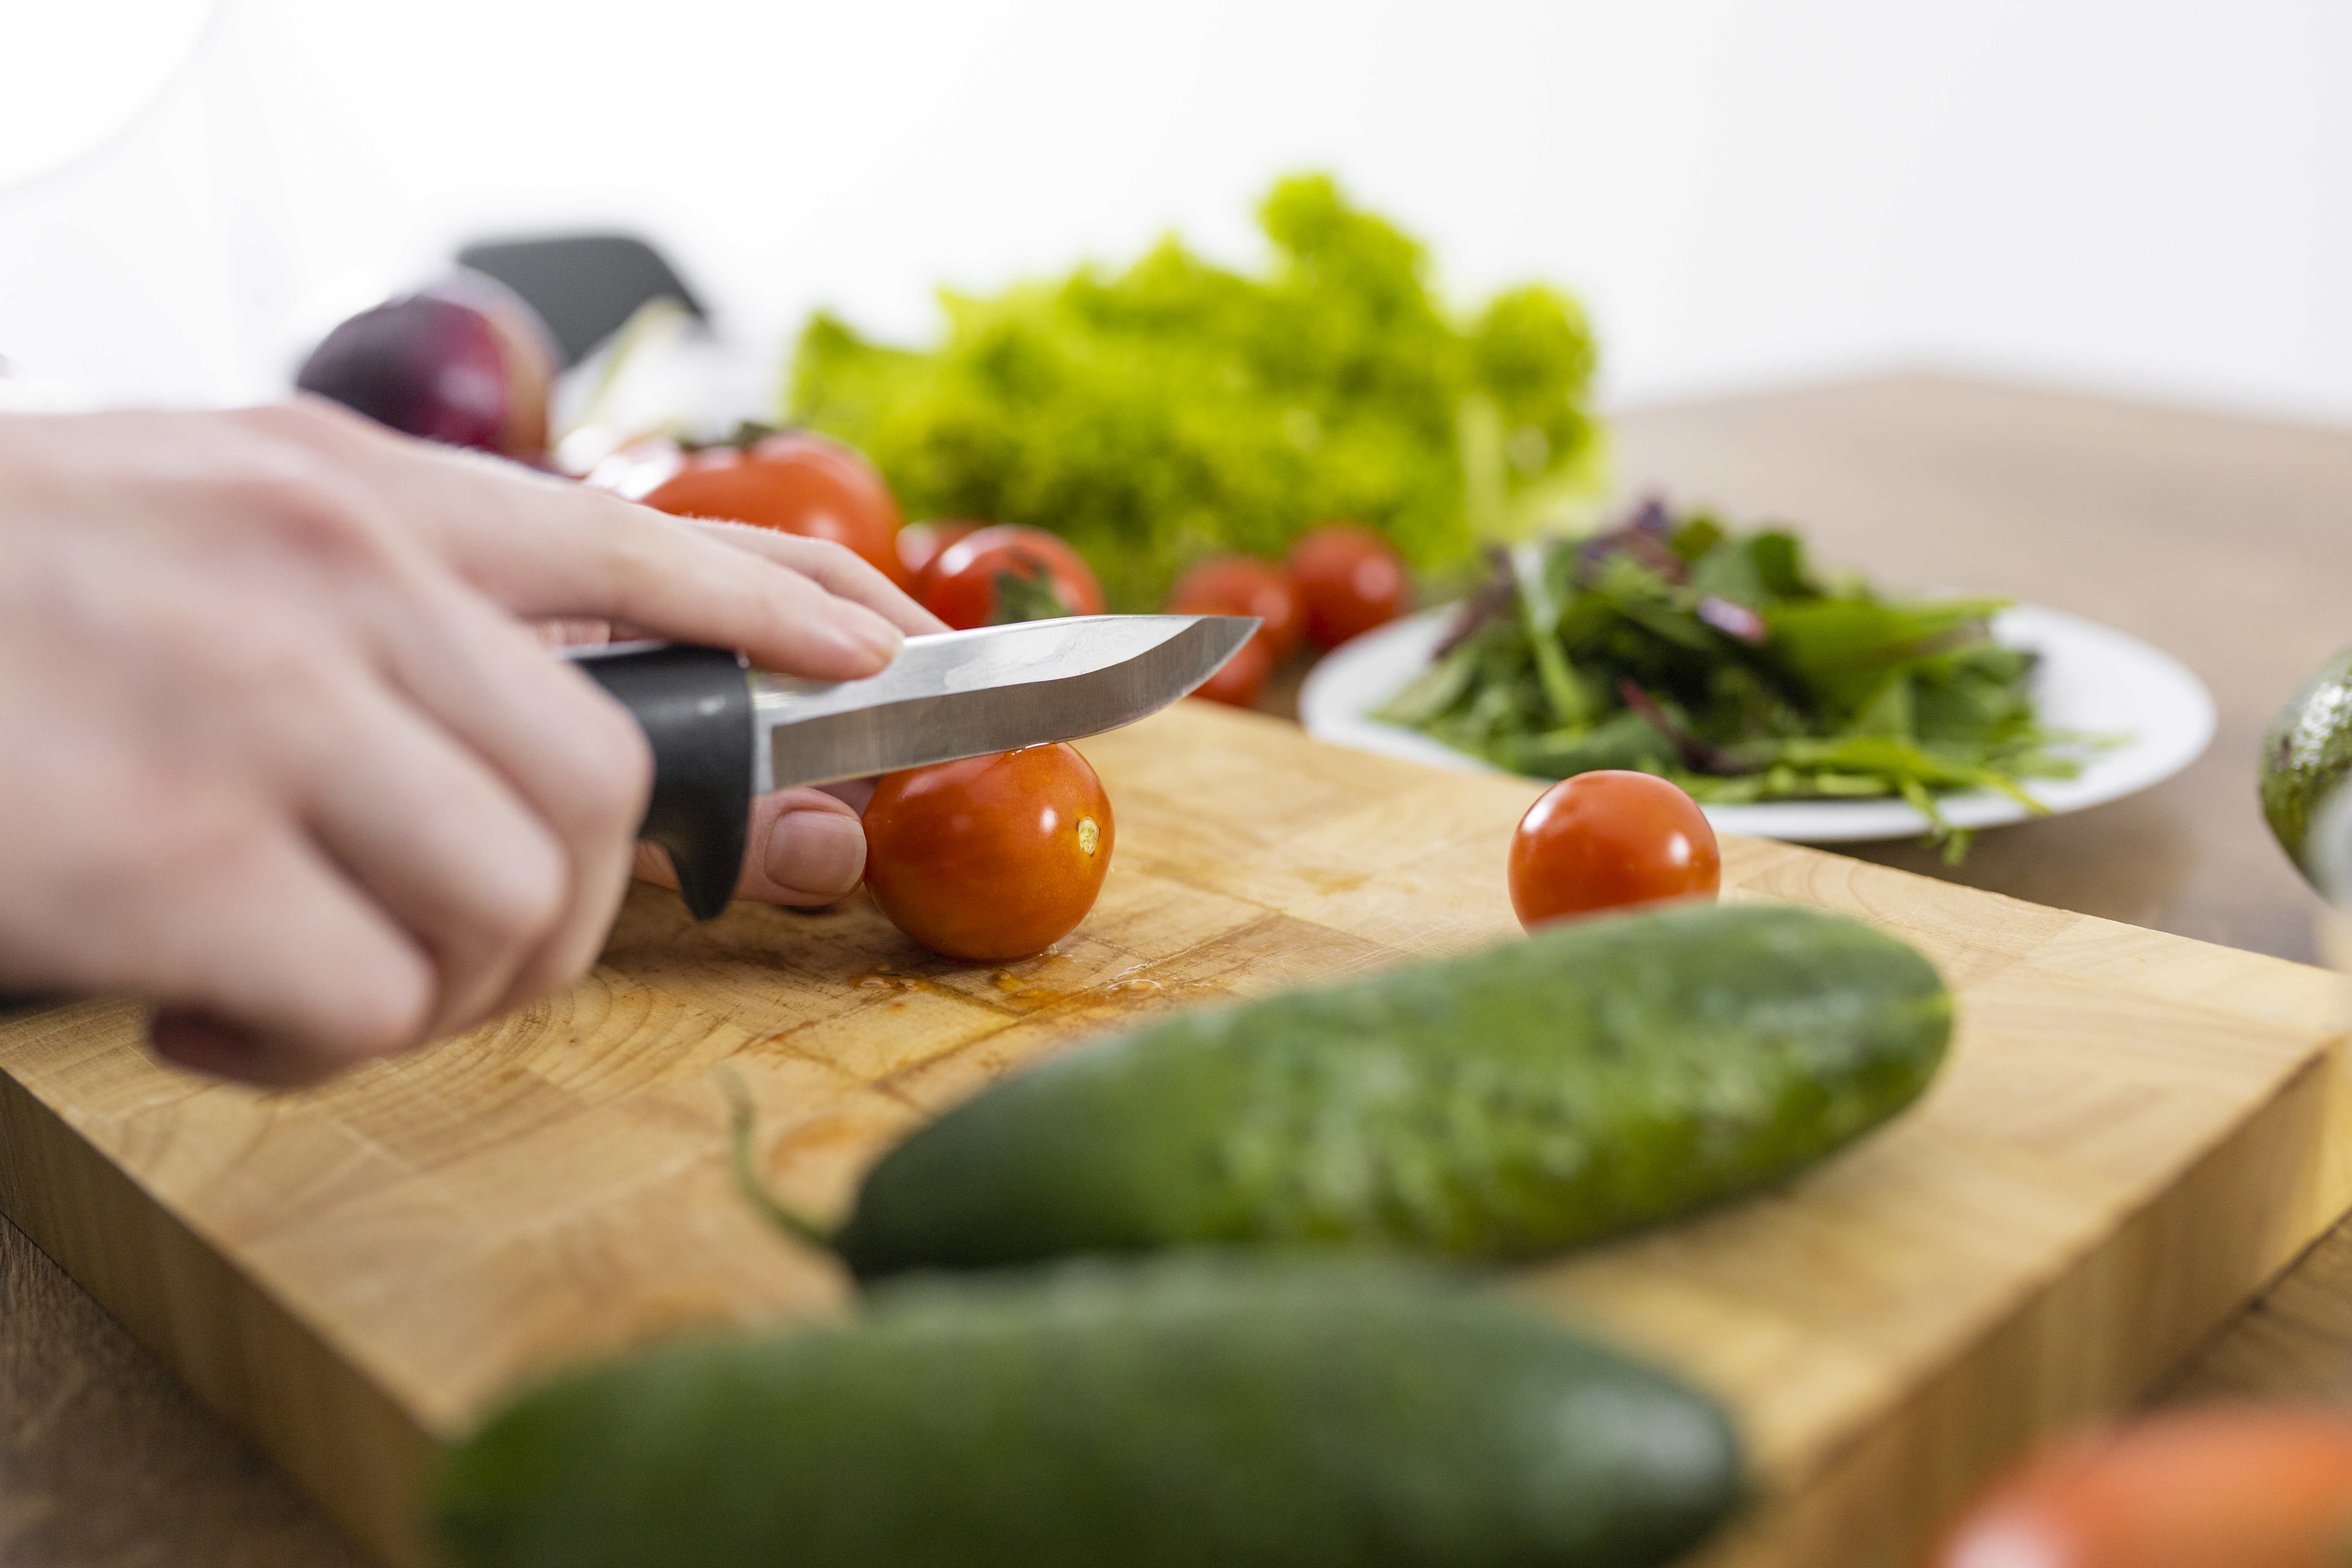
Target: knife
<point>722,733</point>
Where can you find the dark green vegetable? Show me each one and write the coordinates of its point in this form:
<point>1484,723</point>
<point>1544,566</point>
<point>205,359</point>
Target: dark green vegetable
<point>1177,408</point>
<point>1599,1076</point>
<point>1198,1413</point>
<point>2307,754</point>
<point>1722,662</point>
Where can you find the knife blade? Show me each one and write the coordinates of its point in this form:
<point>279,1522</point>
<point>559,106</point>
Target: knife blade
<point>721,732</point>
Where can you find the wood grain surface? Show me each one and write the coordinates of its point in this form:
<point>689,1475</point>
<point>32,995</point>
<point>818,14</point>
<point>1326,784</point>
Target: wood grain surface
<point>2135,1132</point>
<point>2219,539</point>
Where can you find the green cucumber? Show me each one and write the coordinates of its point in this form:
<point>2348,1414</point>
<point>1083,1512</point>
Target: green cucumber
<point>1599,1076</point>
<point>1203,1411</point>
<point>2307,754</point>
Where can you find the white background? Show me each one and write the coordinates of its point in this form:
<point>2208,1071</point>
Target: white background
<point>2142,196</point>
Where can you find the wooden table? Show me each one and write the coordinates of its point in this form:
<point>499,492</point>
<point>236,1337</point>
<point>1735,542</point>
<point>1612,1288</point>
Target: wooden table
<point>2221,541</point>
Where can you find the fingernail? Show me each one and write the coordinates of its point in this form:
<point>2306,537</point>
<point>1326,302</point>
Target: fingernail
<point>817,853</point>
<point>209,1044</point>
<point>195,1040</point>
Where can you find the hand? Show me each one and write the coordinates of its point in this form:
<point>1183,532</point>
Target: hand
<point>805,846</point>
<point>281,753</point>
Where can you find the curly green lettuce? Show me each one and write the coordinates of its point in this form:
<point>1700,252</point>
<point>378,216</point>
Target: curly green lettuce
<point>1178,408</point>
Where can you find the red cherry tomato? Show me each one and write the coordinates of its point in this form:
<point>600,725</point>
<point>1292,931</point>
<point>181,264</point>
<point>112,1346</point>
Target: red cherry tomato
<point>1605,839</point>
<point>2226,1488</point>
<point>796,482</point>
<point>1008,573</point>
<point>1244,585</point>
<point>1241,678</point>
<point>919,544</point>
<point>992,858</point>
<point>1349,580</point>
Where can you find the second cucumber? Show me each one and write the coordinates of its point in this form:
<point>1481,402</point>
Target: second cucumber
<point>1600,1075</point>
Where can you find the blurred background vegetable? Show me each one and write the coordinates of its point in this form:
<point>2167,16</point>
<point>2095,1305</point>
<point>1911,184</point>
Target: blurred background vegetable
<point>1724,662</point>
<point>1176,409</point>
<point>1008,573</point>
<point>464,363</point>
<point>1348,580</point>
<point>794,481</point>
<point>2226,1488</point>
<point>2307,754</point>
<point>919,543</point>
<point>1243,586</point>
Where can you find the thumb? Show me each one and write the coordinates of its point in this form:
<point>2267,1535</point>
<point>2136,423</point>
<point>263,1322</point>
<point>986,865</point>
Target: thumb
<point>804,848</point>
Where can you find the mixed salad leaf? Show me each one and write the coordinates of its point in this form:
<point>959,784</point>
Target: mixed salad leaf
<point>1725,662</point>
<point>1178,408</point>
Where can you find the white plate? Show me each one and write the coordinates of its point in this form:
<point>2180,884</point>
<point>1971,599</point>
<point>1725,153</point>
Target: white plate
<point>2091,680</point>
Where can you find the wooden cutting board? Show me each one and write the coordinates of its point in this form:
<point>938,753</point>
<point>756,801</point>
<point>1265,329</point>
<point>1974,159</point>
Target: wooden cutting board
<point>2135,1132</point>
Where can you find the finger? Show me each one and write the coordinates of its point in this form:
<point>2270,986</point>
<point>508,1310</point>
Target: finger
<point>804,849</point>
<point>807,848</point>
<point>546,549</point>
<point>562,634</point>
<point>438,838</point>
<point>273,945</point>
<point>197,1040</point>
<point>625,562</point>
<point>579,764</point>
<point>833,567</point>
<point>207,1044</point>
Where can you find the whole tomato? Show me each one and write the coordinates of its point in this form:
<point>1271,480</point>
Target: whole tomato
<point>1350,580</point>
<point>1244,585</point>
<point>794,481</point>
<point>992,858</point>
<point>1606,839</point>
<point>919,544</point>
<point>2229,1487</point>
<point>1008,573</point>
<point>1240,679</point>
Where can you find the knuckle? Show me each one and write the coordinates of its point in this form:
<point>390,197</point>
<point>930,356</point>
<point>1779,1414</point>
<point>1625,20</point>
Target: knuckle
<point>268,689</point>
<point>194,839</point>
<point>562,965</point>
<point>294,416</point>
<point>383,1006</point>
<point>312,419</point>
<point>307,427</point>
<point>830,556</point>
<point>533,889</point>
<point>287,492</point>
<point>608,786</point>
<point>842,572</point>
<point>319,519</point>
<point>515,900</point>
<point>617,790</point>
<point>306,513</point>
<point>636,550</point>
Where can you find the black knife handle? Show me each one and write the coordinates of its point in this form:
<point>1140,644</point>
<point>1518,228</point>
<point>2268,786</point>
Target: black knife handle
<point>695,705</point>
